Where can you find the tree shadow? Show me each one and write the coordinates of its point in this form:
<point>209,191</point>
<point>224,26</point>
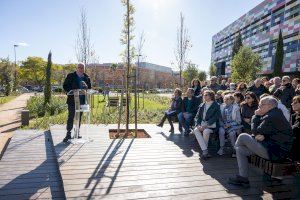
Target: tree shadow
<point>104,163</point>
<point>37,182</point>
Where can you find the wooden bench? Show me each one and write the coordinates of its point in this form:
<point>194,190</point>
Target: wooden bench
<point>114,102</point>
<point>275,169</point>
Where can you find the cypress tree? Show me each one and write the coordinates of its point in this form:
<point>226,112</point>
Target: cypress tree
<point>278,56</point>
<point>47,89</point>
<point>238,43</point>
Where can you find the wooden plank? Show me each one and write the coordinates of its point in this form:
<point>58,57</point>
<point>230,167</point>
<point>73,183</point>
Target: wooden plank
<point>161,167</point>
<point>30,177</point>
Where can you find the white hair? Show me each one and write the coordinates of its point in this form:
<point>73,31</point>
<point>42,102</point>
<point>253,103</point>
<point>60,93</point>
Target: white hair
<point>81,63</point>
<point>286,77</point>
<point>270,100</point>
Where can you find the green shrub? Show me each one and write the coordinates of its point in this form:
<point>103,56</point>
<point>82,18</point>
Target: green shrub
<point>36,106</point>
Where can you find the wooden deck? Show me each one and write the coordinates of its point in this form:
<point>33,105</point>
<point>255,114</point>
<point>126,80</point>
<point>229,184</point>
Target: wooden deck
<point>162,167</point>
<point>28,169</point>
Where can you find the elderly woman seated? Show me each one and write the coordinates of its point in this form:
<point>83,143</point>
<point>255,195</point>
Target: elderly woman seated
<point>230,122</point>
<point>174,109</point>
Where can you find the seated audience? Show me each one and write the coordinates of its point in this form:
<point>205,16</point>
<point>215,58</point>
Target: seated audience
<point>196,85</point>
<point>189,109</point>
<point>257,88</point>
<point>273,139</point>
<point>286,92</point>
<point>276,85</point>
<point>232,87</point>
<point>248,108</point>
<point>282,107</point>
<point>223,85</point>
<point>207,119</point>
<point>174,109</point>
<point>219,97</point>
<point>267,85</point>
<point>230,122</point>
<point>242,88</point>
<point>297,91</point>
<point>238,98</point>
<point>296,128</point>
<point>214,86</point>
<point>295,82</point>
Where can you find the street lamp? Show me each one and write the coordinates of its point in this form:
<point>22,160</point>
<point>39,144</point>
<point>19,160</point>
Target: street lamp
<point>15,71</point>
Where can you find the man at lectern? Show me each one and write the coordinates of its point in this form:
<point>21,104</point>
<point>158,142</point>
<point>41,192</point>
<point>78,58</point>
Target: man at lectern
<point>75,80</point>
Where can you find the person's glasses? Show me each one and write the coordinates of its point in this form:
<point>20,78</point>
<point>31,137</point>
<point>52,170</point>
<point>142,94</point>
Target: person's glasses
<point>248,98</point>
<point>206,95</point>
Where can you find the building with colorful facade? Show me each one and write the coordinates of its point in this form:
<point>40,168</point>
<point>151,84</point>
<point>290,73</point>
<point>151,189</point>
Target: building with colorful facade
<point>259,29</point>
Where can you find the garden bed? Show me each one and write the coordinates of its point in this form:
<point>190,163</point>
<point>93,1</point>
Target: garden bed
<point>141,133</point>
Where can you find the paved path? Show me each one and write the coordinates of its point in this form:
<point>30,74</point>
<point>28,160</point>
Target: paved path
<point>161,167</point>
<point>28,169</point>
<point>10,118</point>
<point>10,113</point>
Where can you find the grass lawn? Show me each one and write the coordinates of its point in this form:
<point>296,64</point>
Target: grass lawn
<point>5,99</point>
<point>152,112</point>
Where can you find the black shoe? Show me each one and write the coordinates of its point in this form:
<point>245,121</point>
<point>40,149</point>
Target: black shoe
<point>180,129</point>
<point>186,134</point>
<point>239,181</point>
<point>68,137</point>
<point>171,130</point>
<point>79,137</point>
<point>159,125</point>
<point>205,156</point>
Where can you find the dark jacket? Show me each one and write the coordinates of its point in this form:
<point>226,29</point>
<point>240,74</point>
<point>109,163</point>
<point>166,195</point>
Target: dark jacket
<point>177,105</point>
<point>71,83</point>
<point>296,136</point>
<point>286,94</point>
<point>258,90</point>
<point>277,132</point>
<point>223,87</point>
<point>212,114</point>
<point>194,105</point>
<point>197,91</point>
<point>247,112</point>
<point>215,87</point>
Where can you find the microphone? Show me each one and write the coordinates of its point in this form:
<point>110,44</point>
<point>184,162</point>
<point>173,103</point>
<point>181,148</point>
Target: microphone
<point>84,85</point>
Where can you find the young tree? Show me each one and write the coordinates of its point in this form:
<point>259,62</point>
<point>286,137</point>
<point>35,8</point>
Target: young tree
<point>128,54</point>
<point>47,89</point>
<point>245,65</point>
<point>190,73</point>
<point>183,46</point>
<point>279,55</point>
<point>212,70</point>
<point>238,43</point>
<point>140,55</point>
<point>202,75</point>
<point>83,46</point>
<point>6,75</point>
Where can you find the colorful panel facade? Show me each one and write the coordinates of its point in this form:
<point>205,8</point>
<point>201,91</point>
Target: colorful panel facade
<point>259,29</point>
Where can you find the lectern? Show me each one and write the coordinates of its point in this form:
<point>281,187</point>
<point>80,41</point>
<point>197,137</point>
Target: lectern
<point>82,100</point>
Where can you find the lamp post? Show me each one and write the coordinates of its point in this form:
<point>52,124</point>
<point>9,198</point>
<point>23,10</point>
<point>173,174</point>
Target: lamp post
<point>15,71</point>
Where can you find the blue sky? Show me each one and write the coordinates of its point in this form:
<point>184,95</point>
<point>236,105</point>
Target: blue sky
<point>53,24</point>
